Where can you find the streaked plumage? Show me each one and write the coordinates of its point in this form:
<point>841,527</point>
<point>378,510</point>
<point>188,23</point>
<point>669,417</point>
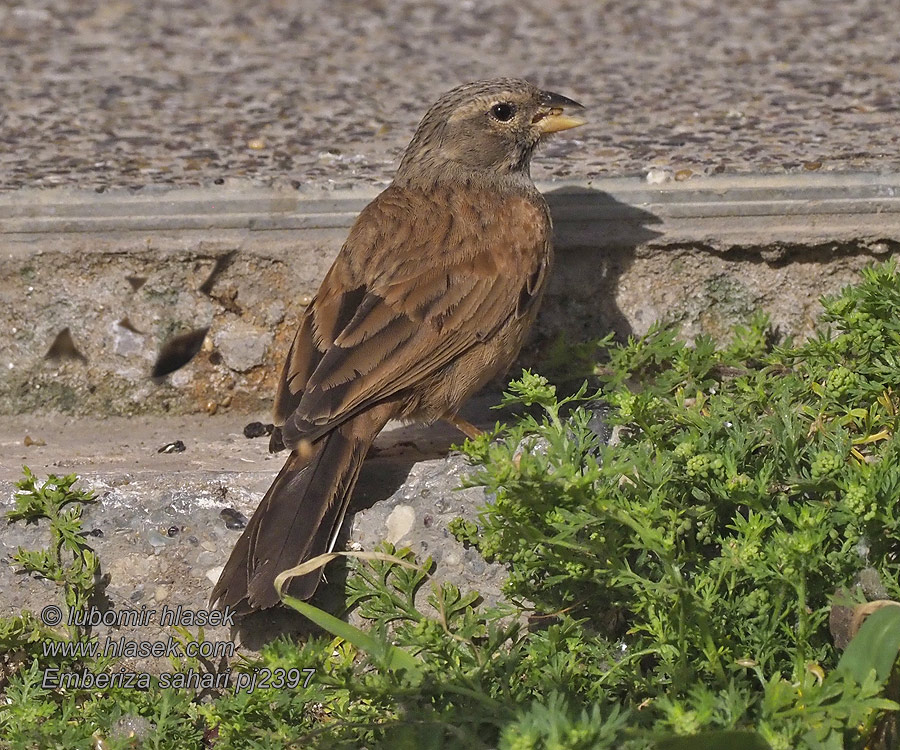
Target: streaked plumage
<point>430,297</point>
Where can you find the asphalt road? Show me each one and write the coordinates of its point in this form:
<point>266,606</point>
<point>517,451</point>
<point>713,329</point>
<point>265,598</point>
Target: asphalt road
<point>325,94</point>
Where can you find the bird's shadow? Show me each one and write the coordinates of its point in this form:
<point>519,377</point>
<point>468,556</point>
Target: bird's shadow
<point>596,238</point>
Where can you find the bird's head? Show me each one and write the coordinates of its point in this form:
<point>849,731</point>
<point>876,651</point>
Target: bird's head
<point>485,128</point>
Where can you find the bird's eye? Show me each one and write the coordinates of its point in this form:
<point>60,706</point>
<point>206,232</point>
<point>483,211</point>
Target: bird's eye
<point>504,111</point>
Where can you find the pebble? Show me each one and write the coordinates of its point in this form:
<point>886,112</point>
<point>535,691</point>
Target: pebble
<point>234,520</point>
<point>257,429</point>
<point>658,176</point>
<point>213,574</point>
<point>242,345</point>
<point>157,540</point>
<point>400,522</point>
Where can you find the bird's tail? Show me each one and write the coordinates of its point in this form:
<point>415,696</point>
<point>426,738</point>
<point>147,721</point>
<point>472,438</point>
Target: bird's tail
<point>299,517</point>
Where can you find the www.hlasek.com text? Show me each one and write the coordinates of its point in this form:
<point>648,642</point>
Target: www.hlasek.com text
<point>129,648</point>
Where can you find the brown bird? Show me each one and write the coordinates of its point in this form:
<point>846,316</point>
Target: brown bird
<point>429,298</point>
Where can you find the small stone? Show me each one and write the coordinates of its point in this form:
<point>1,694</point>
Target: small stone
<point>157,540</point>
<point>274,313</point>
<point>812,166</point>
<point>773,254</point>
<point>211,407</point>
<point>257,429</point>
<point>399,523</point>
<point>234,520</point>
<point>207,559</point>
<point>683,174</point>
<point>161,593</point>
<point>242,346</point>
<point>658,176</point>
<point>256,144</point>
<point>870,582</point>
<point>174,447</point>
<point>126,340</point>
<point>213,573</point>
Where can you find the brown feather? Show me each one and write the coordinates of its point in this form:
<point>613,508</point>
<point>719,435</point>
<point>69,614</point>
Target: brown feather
<point>299,516</point>
<point>430,296</point>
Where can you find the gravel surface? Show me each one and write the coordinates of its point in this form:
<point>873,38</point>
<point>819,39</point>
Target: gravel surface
<point>164,522</point>
<point>325,95</point>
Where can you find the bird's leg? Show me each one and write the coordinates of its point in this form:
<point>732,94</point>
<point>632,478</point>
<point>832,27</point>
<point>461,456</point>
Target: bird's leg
<point>465,427</point>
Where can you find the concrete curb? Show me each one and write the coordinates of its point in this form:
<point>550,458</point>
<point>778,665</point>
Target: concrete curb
<point>720,212</point>
<point>94,286</point>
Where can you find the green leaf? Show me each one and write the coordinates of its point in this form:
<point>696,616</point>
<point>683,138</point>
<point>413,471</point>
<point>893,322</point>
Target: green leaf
<point>875,646</point>
<point>389,657</point>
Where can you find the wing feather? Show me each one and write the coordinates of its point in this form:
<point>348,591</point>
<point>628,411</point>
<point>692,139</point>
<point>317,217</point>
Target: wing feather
<point>390,314</point>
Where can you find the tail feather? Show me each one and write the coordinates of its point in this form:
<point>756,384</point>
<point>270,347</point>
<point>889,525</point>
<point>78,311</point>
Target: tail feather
<point>299,517</point>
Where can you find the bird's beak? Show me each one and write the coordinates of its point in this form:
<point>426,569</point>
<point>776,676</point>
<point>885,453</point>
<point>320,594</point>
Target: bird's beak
<point>550,117</point>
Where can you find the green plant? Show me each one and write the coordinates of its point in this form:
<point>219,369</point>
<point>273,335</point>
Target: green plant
<point>33,715</point>
<point>669,589</point>
<point>69,561</point>
<point>747,483</point>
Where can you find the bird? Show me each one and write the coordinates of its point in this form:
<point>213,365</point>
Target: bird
<point>430,297</point>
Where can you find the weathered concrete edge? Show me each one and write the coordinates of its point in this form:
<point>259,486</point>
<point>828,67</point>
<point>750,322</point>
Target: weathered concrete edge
<point>721,212</point>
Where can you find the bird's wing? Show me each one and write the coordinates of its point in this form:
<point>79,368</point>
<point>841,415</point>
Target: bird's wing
<point>421,279</point>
